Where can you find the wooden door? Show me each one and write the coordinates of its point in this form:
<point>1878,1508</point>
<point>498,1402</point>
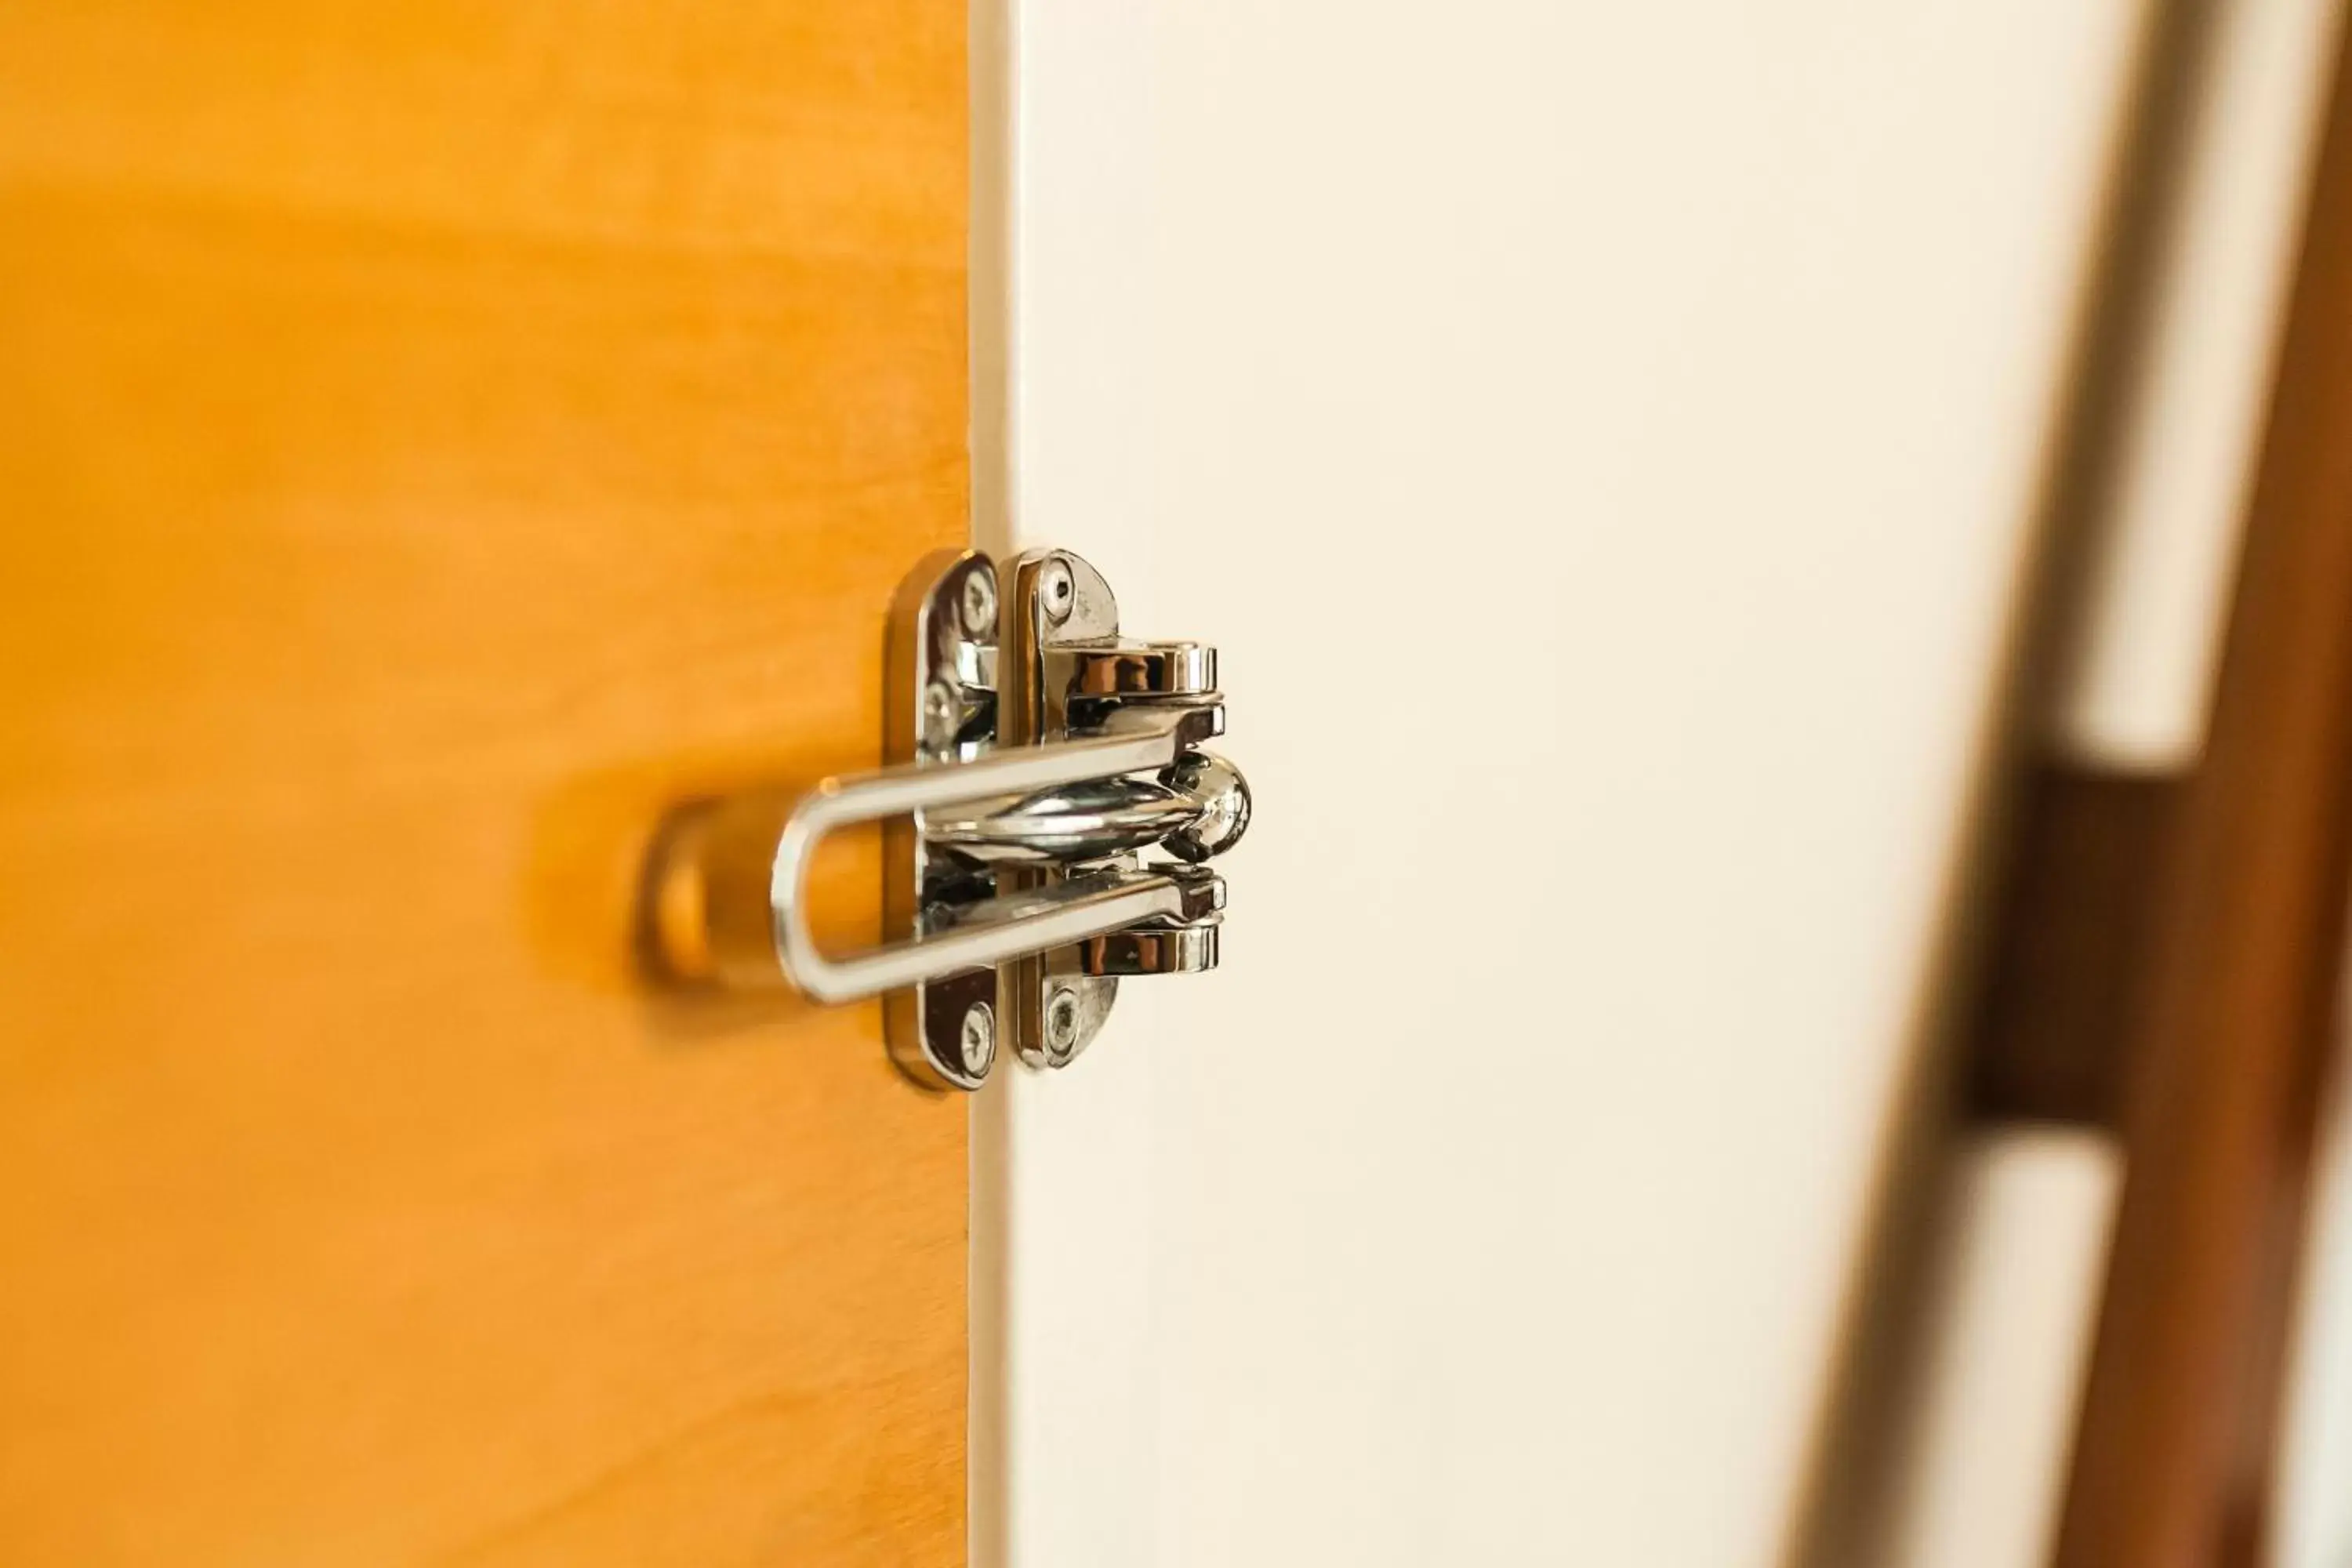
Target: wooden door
<point>437,437</point>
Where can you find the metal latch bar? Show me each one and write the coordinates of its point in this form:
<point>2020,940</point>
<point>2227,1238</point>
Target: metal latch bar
<point>984,936</point>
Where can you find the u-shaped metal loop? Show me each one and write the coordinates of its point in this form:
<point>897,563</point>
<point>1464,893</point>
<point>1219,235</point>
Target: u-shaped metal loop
<point>993,931</point>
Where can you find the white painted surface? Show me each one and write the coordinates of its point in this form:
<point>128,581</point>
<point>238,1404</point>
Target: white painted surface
<point>2143,673</point>
<point>1602,439</point>
<point>1983,1475</point>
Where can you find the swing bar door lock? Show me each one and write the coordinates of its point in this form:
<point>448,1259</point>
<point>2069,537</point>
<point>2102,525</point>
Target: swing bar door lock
<point>1047,812</point>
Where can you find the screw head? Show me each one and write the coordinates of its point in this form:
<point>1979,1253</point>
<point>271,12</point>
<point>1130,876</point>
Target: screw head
<point>942,716</point>
<point>978,1044</point>
<point>1057,590</point>
<point>979,602</point>
<point>1061,1024</point>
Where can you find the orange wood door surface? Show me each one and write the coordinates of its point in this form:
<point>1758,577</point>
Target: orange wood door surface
<point>435,437</point>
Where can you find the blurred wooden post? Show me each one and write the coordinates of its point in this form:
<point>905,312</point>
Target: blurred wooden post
<point>2236,1005</point>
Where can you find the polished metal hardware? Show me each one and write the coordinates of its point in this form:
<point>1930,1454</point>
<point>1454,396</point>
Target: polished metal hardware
<point>1045,820</point>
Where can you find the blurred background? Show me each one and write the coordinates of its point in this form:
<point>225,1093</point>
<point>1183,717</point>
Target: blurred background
<point>1829,1072</point>
<point>1746,1039</point>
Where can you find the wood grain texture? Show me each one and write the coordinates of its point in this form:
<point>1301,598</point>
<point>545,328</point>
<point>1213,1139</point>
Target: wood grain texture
<point>2241,997</point>
<point>434,438</point>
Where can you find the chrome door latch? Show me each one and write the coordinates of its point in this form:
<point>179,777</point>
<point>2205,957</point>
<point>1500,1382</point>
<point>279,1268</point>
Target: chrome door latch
<point>1045,819</point>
